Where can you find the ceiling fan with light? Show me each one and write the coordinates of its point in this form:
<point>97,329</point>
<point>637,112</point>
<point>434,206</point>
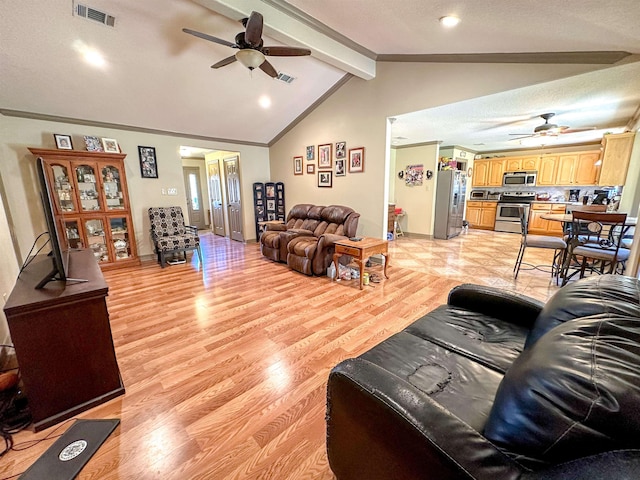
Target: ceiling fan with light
<point>549,129</point>
<point>251,51</point>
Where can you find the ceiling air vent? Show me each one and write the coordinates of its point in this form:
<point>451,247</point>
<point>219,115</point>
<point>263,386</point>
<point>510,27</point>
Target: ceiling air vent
<point>93,14</point>
<point>285,78</point>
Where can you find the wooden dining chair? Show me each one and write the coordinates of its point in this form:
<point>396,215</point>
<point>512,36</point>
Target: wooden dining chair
<point>596,243</point>
<point>558,245</point>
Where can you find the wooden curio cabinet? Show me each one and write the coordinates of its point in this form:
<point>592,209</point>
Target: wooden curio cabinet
<point>91,203</point>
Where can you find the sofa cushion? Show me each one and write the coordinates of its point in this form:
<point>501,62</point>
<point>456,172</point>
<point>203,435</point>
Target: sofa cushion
<point>493,342</point>
<point>460,385</point>
<point>612,294</point>
<point>573,393</point>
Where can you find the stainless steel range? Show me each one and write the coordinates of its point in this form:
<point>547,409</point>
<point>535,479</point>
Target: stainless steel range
<point>508,213</point>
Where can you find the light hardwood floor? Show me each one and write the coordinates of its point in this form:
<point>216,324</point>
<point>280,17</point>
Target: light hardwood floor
<point>225,365</point>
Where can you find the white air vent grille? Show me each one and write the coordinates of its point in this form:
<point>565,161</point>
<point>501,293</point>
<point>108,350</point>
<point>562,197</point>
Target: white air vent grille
<point>95,15</point>
<point>285,78</point>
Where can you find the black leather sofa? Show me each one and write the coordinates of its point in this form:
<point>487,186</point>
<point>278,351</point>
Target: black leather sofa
<point>497,386</point>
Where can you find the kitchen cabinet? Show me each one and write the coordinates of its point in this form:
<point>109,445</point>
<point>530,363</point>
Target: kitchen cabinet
<point>480,173</point>
<point>616,154</point>
<point>577,168</point>
<point>540,226</point>
<point>496,172</point>
<point>91,203</point>
<point>521,164</point>
<point>547,170</point>
<point>481,215</point>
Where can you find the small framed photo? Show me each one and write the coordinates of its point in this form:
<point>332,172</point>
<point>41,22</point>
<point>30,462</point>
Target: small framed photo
<point>311,168</point>
<point>356,160</point>
<point>341,150</point>
<point>341,168</point>
<point>310,153</point>
<point>93,144</point>
<point>148,163</point>
<point>297,165</point>
<point>325,179</point>
<point>110,145</point>
<point>324,157</point>
<point>63,142</point>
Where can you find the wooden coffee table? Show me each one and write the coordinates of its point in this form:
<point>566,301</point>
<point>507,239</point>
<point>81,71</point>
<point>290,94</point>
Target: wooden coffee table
<point>361,250</point>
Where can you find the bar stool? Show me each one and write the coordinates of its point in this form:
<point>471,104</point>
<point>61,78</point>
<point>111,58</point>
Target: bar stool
<point>396,226</point>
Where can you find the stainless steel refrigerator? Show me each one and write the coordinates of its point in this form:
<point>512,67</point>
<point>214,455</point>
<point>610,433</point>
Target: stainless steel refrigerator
<point>450,192</point>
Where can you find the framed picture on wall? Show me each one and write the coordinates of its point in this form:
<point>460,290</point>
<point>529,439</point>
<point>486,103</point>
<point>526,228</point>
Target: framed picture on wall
<point>356,160</point>
<point>148,163</point>
<point>310,152</point>
<point>341,168</point>
<point>311,168</point>
<point>297,165</point>
<point>325,179</point>
<point>324,157</point>
<point>63,142</point>
<point>110,145</point>
<point>341,150</point>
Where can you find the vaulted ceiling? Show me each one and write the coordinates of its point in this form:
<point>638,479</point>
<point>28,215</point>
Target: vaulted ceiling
<point>156,77</point>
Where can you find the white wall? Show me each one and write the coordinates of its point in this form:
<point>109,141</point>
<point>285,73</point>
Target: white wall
<point>8,266</point>
<point>417,201</point>
<point>357,113</point>
<point>18,170</point>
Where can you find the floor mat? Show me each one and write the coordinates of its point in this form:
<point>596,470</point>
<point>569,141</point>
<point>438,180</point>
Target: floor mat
<point>65,458</point>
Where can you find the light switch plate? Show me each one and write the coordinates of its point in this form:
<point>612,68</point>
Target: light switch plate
<point>173,191</point>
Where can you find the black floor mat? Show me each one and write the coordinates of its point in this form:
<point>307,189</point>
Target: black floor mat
<point>65,458</point>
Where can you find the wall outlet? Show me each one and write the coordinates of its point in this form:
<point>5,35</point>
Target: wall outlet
<point>173,191</point>
<point>163,191</point>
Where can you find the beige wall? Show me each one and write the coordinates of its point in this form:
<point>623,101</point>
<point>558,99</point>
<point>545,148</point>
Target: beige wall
<point>418,202</point>
<point>18,170</point>
<point>357,113</point>
<point>8,266</point>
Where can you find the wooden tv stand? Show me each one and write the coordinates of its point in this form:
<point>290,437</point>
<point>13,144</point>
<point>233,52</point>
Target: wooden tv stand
<point>62,337</point>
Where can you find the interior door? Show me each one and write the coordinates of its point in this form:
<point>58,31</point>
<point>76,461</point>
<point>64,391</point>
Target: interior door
<point>194,197</point>
<point>232,174</point>
<point>215,193</point>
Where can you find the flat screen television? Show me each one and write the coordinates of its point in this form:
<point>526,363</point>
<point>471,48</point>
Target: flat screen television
<point>59,258</point>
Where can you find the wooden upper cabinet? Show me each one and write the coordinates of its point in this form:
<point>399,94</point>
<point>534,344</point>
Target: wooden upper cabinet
<point>616,154</point>
<point>586,171</point>
<point>480,173</point>
<point>496,172</point>
<point>530,163</point>
<point>519,164</point>
<point>566,167</point>
<point>547,170</point>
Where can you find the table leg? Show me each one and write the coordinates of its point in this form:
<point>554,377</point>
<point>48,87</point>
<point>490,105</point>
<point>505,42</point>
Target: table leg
<point>336,256</point>
<point>361,265</point>
<point>386,262</point>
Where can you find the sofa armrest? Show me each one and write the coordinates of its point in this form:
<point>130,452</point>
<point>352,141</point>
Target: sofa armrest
<point>330,239</point>
<point>275,227</point>
<point>380,426</point>
<point>496,302</point>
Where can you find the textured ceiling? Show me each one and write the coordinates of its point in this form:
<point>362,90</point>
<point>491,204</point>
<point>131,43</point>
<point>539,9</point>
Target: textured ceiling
<point>156,77</point>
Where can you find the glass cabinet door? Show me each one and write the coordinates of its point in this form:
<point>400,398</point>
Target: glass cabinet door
<point>120,238</point>
<point>87,188</point>
<point>62,188</point>
<point>73,234</point>
<point>112,188</point>
<point>96,238</point>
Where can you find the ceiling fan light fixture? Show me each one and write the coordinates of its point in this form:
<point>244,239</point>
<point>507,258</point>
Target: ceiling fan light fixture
<point>449,21</point>
<point>250,58</point>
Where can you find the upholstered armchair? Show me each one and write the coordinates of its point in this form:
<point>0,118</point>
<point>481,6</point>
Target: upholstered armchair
<point>170,235</point>
<point>312,254</point>
<point>301,220</point>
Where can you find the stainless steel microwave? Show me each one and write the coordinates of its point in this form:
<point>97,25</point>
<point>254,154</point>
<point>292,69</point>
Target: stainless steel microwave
<point>519,179</point>
<point>478,195</point>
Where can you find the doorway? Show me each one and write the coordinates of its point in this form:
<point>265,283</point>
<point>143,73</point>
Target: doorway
<point>217,202</point>
<point>195,208</point>
<point>234,206</point>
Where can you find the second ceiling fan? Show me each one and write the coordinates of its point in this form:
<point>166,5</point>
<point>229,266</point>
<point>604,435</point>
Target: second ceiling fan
<point>251,50</point>
<point>549,129</point>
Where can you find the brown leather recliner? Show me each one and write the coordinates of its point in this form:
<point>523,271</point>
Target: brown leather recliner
<point>302,220</point>
<point>312,254</point>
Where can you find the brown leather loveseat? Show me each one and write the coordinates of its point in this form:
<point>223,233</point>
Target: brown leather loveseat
<point>306,240</point>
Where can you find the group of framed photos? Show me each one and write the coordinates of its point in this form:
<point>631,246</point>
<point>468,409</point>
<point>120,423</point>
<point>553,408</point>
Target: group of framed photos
<point>93,144</point>
<point>147,155</point>
<point>327,167</point>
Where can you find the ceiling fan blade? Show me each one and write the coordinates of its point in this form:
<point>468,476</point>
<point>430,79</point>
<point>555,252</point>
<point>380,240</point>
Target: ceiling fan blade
<point>211,38</point>
<point>253,33</point>
<point>225,61</point>
<point>576,130</point>
<point>267,68</point>
<point>285,51</point>
<point>521,137</point>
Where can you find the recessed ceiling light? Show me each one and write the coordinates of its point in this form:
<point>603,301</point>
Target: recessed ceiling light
<point>449,21</point>
<point>265,102</point>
